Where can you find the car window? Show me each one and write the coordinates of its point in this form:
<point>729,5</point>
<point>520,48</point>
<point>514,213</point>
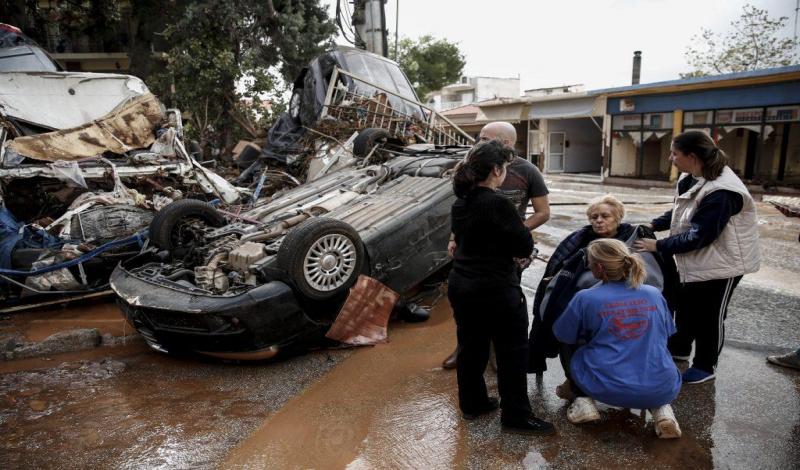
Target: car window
<point>402,83</point>
<point>23,59</point>
<point>385,75</point>
<point>357,65</point>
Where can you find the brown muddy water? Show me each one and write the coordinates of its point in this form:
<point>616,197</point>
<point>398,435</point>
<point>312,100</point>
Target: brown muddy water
<point>388,406</point>
<point>36,325</point>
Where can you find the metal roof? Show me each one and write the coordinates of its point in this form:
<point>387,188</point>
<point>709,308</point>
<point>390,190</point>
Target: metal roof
<point>701,80</point>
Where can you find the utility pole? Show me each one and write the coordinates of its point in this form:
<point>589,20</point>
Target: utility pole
<point>796,9</point>
<point>369,19</point>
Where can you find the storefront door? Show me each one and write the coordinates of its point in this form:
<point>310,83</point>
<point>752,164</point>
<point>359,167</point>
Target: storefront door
<point>555,154</point>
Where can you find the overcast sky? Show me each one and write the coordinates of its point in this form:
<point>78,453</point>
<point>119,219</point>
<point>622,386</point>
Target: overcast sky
<point>550,43</point>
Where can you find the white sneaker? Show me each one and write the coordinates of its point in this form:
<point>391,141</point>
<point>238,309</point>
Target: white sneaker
<point>583,410</point>
<point>665,423</point>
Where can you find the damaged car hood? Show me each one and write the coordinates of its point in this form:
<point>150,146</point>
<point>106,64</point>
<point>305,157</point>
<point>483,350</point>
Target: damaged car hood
<point>127,128</point>
<point>62,100</point>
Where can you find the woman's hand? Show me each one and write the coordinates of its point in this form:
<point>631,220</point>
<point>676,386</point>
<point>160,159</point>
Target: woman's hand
<point>645,244</point>
<point>451,248</point>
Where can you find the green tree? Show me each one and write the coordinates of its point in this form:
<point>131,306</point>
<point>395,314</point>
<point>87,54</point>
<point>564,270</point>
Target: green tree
<point>753,42</point>
<point>430,63</point>
<point>222,51</point>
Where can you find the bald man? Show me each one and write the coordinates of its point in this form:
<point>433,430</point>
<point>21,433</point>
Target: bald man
<point>523,182</point>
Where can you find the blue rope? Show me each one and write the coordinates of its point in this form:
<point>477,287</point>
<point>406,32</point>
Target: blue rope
<point>137,238</point>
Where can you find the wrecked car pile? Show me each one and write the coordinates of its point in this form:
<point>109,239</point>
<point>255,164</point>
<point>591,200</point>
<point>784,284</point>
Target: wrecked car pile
<point>375,200</point>
<point>273,281</point>
<point>339,94</point>
<point>86,161</point>
<point>354,181</point>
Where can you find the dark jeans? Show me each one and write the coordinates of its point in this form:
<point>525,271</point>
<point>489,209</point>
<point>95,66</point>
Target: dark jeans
<point>700,318</point>
<point>565,354</point>
<point>500,315</point>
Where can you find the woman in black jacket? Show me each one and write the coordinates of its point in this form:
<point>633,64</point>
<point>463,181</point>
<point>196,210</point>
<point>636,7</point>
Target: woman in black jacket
<point>484,291</point>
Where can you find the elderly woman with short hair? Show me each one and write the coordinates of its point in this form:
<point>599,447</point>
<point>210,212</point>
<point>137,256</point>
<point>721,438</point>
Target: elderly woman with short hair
<point>566,273</point>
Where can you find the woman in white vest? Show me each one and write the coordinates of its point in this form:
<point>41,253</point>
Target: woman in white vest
<point>713,234</point>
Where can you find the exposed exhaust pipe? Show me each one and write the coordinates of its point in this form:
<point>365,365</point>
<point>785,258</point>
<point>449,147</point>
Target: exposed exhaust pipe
<point>637,67</point>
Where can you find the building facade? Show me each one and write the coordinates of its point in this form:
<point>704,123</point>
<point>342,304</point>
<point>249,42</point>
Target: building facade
<point>754,117</point>
<point>626,132</point>
<point>471,90</point>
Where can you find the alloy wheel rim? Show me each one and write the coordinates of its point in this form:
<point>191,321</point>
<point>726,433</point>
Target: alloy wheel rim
<point>330,262</point>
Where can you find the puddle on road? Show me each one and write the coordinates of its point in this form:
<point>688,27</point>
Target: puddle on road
<point>36,325</point>
<point>132,408</point>
<point>390,406</point>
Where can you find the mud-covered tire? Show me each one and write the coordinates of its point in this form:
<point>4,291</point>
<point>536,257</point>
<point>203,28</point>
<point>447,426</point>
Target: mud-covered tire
<point>168,221</point>
<point>369,138</point>
<point>322,257</point>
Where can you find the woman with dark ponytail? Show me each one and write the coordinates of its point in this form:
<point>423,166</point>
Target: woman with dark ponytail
<point>615,337</point>
<point>484,291</point>
<point>713,233</point>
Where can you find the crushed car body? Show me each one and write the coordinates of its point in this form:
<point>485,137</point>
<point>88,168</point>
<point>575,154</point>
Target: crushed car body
<point>341,93</point>
<point>86,161</point>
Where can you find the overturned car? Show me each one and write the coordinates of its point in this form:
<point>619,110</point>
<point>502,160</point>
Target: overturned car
<point>367,167</point>
<point>273,278</point>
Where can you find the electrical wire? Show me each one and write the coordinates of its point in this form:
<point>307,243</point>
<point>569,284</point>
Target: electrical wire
<point>342,24</point>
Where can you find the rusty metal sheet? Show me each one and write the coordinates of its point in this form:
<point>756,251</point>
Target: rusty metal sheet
<point>129,127</point>
<point>365,314</point>
<point>63,100</point>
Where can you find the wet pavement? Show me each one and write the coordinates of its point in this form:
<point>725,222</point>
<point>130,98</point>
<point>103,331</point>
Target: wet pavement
<point>392,406</point>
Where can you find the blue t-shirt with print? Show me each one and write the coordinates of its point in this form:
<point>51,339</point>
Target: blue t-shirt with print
<point>625,361</point>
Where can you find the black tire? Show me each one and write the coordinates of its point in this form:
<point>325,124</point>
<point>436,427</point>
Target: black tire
<point>166,229</point>
<point>367,139</point>
<point>295,104</point>
<point>335,242</point>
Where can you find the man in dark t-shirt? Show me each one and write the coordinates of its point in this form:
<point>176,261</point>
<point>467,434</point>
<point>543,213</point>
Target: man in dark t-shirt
<point>524,182</point>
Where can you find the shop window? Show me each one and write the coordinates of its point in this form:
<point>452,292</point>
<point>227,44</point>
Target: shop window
<point>624,152</point>
<point>738,143</point>
<point>697,118</point>
<point>792,172</point>
<point>626,121</point>
<point>769,153</point>
<point>657,121</point>
<point>655,155</point>
<point>783,114</point>
<point>739,116</point>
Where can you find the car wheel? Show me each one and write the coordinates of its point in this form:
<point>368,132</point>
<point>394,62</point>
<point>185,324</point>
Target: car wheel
<point>181,223</point>
<point>367,139</point>
<point>294,104</point>
<point>323,257</point>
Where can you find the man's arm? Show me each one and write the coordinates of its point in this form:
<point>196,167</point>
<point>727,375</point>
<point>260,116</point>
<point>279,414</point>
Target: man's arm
<point>541,212</point>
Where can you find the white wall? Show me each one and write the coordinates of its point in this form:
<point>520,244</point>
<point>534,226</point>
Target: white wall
<point>490,87</point>
<point>585,152</point>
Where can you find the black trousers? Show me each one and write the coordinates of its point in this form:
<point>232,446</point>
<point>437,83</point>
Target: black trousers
<point>700,315</point>
<point>500,315</point>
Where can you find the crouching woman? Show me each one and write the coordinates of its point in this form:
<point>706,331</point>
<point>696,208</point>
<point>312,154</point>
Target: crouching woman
<point>615,341</point>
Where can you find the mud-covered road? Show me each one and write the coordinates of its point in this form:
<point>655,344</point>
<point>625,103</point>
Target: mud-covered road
<point>392,406</point>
